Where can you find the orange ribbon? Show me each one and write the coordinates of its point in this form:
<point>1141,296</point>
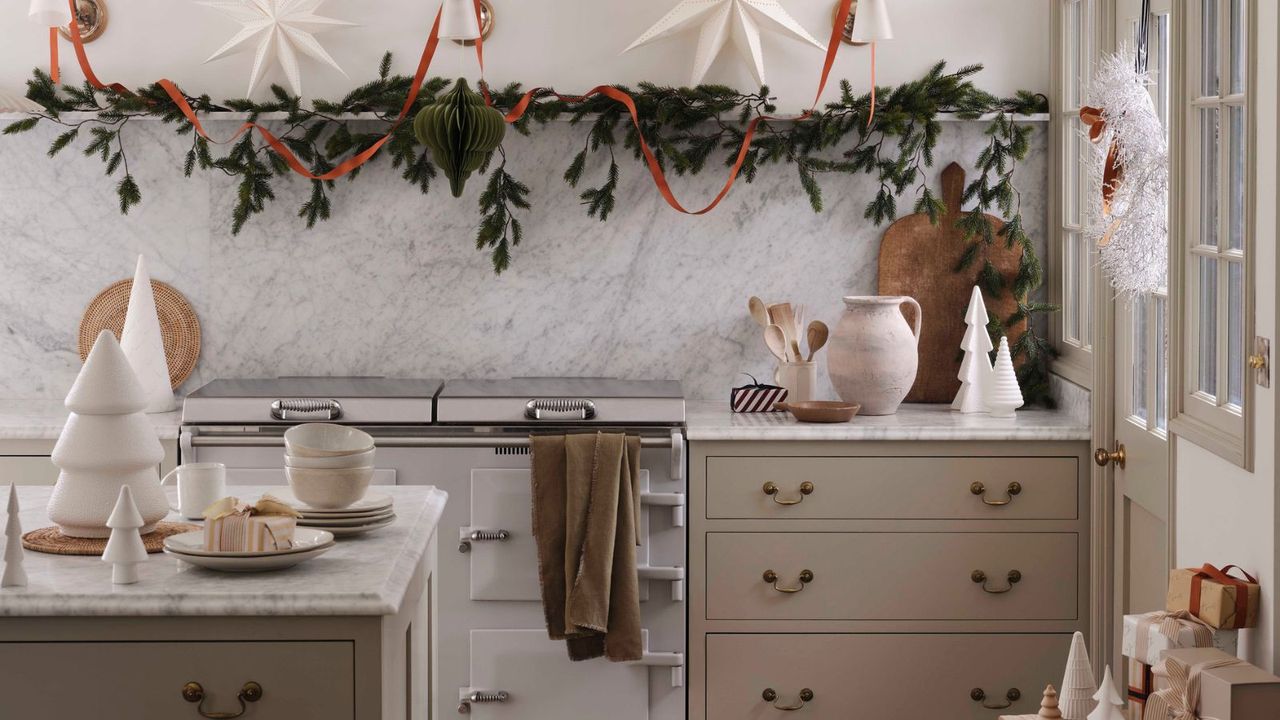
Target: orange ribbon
<point>53,52</point>
<point>1222,578</point>
<point>1114,171</point>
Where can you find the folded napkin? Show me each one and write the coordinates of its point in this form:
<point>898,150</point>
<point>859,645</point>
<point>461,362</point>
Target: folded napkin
<point>586,508</point>
<point>234,526</point>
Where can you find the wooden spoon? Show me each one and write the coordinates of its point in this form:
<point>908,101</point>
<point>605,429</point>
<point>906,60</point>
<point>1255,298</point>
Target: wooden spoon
<point>776,341</point>
<point>758,311</point>
<point>784,317</point>
<point>817,335</point>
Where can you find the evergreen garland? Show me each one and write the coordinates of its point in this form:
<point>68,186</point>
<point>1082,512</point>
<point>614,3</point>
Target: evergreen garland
<point>687,128</point>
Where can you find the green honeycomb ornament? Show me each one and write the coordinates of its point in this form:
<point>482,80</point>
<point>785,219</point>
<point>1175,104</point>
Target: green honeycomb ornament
<point>461,131</point>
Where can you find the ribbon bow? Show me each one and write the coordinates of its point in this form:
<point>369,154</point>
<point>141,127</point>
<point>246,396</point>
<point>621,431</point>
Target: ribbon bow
<point>266,505</point>
<point>1113,174</point>
<point>1180,700</point>
<point>1169,624</point>
<point>1222,578</point>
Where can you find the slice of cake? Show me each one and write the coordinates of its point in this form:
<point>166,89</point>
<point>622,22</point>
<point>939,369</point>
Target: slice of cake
<point>234,526</point>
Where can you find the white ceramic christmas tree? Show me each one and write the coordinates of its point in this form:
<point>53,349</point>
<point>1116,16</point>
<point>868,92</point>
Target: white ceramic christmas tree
<point>143,344</point>
<point>1075,699</point>
<point>14,575</point>
<point>1049,704</point>
<point>124,548</point>
<point>106,443</point>
<point>1001,392</point>
<point>1110,704</point>
<point>975,369</point>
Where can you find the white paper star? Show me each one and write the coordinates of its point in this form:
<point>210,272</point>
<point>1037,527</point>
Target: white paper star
<point>282,26</point>
<point>722,20</point>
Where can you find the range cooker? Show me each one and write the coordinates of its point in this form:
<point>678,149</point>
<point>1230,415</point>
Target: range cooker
<point>491,657</point>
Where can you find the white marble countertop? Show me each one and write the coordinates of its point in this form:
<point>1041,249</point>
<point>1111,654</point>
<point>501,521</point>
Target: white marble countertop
<point>364,575</point>
<point>714,421</point>
<point>42,419</point>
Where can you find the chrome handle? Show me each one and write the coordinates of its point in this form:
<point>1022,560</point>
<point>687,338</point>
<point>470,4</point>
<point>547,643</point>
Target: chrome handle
<point>771,577</point>
<point>535,408</point>
<point>806,488</point>
<point>192,692</point>
<point>979,489</point>
<point>1117,456</point>
<point>481,536</point>
<point>979,695</point>
<point>305,409</point>
<point>980,578</point>
<point>482,696</point>
<point>771,696</point>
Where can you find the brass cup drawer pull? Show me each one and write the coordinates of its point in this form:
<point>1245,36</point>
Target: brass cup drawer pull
<point>979,695</point>
<point>771,696</point>
<point>771,577</point>
<point>981,490</point>
<point>193,692</point>
<point>980,578</point>
<point>806,488</point>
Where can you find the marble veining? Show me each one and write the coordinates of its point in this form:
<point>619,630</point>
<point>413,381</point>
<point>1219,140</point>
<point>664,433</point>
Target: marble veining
<point>714,421</point>
<point>43,419</point>
<point>392,284</point>
<point>363,575</point>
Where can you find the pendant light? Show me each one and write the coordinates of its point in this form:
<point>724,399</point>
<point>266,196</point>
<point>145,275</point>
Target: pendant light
<point>871,25</point>
<point>458,20</point>
<point>52,14</point>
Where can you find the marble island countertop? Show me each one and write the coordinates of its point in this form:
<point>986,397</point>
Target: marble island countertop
<point>363,575</point>
<point>714,421</point>
<point>42,419</point>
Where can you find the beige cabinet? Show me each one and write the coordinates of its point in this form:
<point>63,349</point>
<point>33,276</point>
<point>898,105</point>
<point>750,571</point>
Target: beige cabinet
<point>26,462</point>
<point>894,580</point>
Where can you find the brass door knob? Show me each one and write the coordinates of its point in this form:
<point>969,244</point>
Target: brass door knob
<point>977,488</point>
<point>1102,456</point>
<point>806,488</point>
<point>193,692</point>
<point>979,695</point>
<point>980,577</point>
<point>771,696</point>
<point>771,577</point>
<point>1257,362</point>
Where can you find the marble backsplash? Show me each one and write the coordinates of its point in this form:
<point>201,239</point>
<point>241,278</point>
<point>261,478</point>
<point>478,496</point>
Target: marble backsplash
<point>392,284</point>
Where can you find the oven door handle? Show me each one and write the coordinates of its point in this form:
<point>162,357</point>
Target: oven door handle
<point>583,408</point>
<point>479,441</point>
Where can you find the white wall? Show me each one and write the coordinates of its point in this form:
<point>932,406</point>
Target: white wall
<point>1224,514</point>
<point>571,44</point>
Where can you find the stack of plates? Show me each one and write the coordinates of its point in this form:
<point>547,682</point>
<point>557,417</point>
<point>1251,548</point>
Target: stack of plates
<point>371,512</point>
<point>307,544</point>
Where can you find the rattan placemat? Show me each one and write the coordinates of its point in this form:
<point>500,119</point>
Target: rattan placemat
<point>51,540</point>
<point>179,325</point>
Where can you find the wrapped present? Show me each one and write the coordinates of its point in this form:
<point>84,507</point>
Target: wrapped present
<point>1214,596</point>
<point>1159,678</point>
<point>756,397</point>
<point>1146,636</point>
<point>1140,675</point>
<point>1208,683</point>
<point>234,526</point>
<point>1136,708</point>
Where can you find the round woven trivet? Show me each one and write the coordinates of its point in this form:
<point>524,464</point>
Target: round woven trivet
<point>51,540</point>
<point>178,324</point>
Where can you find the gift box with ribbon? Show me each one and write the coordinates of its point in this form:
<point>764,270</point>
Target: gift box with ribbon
<point>1208,683</point>
<point>1214,596</point>
<point>1146,636</point>
<point>234,526</point>
<point>756,397</point>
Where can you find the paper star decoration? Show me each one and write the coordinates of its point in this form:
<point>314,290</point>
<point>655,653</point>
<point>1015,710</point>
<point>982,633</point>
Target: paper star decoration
<point>723,20</point>
<point>282,27</point>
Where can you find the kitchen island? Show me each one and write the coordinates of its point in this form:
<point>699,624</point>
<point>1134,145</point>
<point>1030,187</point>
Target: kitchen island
<point>345,635</point>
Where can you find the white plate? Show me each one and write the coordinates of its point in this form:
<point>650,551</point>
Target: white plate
<point>192,543</point>
<point>359,529</point>
<point>278,561</point>
<point>324,522</point>
<point>363,514</point>
<point>369,503</point>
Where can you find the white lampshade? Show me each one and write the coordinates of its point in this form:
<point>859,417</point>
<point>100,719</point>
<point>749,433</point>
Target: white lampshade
<point>871,23</point>
<point>50,13</point>
<point>458,20</point>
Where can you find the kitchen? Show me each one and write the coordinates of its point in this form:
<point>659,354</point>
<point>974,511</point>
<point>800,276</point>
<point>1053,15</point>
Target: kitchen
<point>390,286</point>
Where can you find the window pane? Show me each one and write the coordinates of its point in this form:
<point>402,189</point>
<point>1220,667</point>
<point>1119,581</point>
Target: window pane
<point>1237,46</point>
<point>1207,322</point>
<point>1084,288</point>
<point>1071,155</point>
<point>1160,68</point>
<point>1070,296</point>
<point>1208,48</point>
<point>1235,333</point>
<point>1162,362</point>
<point>1236,183</point>
<point>1071,41</point>
<point>1209,177</point>
<point>1138,383</point>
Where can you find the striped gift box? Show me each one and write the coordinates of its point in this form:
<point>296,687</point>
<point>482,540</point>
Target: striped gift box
<point>756,398</point>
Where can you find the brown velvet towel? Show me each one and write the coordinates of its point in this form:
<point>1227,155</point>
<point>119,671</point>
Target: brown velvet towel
<point>586,509</point>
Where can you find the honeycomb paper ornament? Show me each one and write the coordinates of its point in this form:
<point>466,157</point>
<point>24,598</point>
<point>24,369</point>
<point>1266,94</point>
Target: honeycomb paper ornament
<point>1001,392</point>
<point>461,131</point>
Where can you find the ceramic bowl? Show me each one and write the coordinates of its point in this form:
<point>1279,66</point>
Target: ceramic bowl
<point>821,411</point>
<point>334,462</point>
<point>316,440</point>
<point>329,488</point>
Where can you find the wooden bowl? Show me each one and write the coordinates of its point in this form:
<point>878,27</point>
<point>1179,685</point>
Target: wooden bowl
<point>821,411</point>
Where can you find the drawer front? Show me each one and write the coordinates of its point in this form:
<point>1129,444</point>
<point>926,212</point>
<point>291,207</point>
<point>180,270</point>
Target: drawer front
<point>144,680</point>
<point>893,488</point>
<point>27,470</point>
<point>891,576</point>
<point>886,677</point>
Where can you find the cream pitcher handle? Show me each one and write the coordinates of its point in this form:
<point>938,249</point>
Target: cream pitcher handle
<point>919,316</point>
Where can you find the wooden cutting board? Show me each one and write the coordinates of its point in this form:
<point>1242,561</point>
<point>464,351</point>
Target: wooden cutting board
<point>919,259</point>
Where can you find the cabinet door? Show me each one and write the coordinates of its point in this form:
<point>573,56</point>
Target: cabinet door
<point>27,470</point>
<point>541,682</point>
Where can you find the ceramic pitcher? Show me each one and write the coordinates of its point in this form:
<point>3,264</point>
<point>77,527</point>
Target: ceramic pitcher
<point>873,353</point>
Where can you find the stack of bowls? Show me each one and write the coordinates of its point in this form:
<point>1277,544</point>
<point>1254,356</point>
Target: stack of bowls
<point>328,466</point>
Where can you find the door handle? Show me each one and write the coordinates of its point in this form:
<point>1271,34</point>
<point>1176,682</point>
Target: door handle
<point>1104,457</point>
<point>979,695</point>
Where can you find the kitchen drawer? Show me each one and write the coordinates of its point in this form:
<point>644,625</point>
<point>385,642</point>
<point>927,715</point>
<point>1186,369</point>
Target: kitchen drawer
<point>891,576</point>
<point>886,677</point>
<point>893,487</point>
<point>144,680</point>
<point>27,470</point>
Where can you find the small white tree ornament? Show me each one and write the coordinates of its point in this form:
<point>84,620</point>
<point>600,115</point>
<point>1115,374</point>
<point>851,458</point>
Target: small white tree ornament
<point>1002,393</point>
<point>1075,699</point>
<point>144,345</point>
<point>975,369</point>
<point>1110,704</point>
<point>124,548</point>
<point>14,575</point>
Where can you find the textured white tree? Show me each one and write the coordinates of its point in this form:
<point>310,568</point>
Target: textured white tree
<point>124,548</point>
<point>975,368</point>
<point>1075,699</point>
<point>1002,393</point>
<point>14,575</point>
